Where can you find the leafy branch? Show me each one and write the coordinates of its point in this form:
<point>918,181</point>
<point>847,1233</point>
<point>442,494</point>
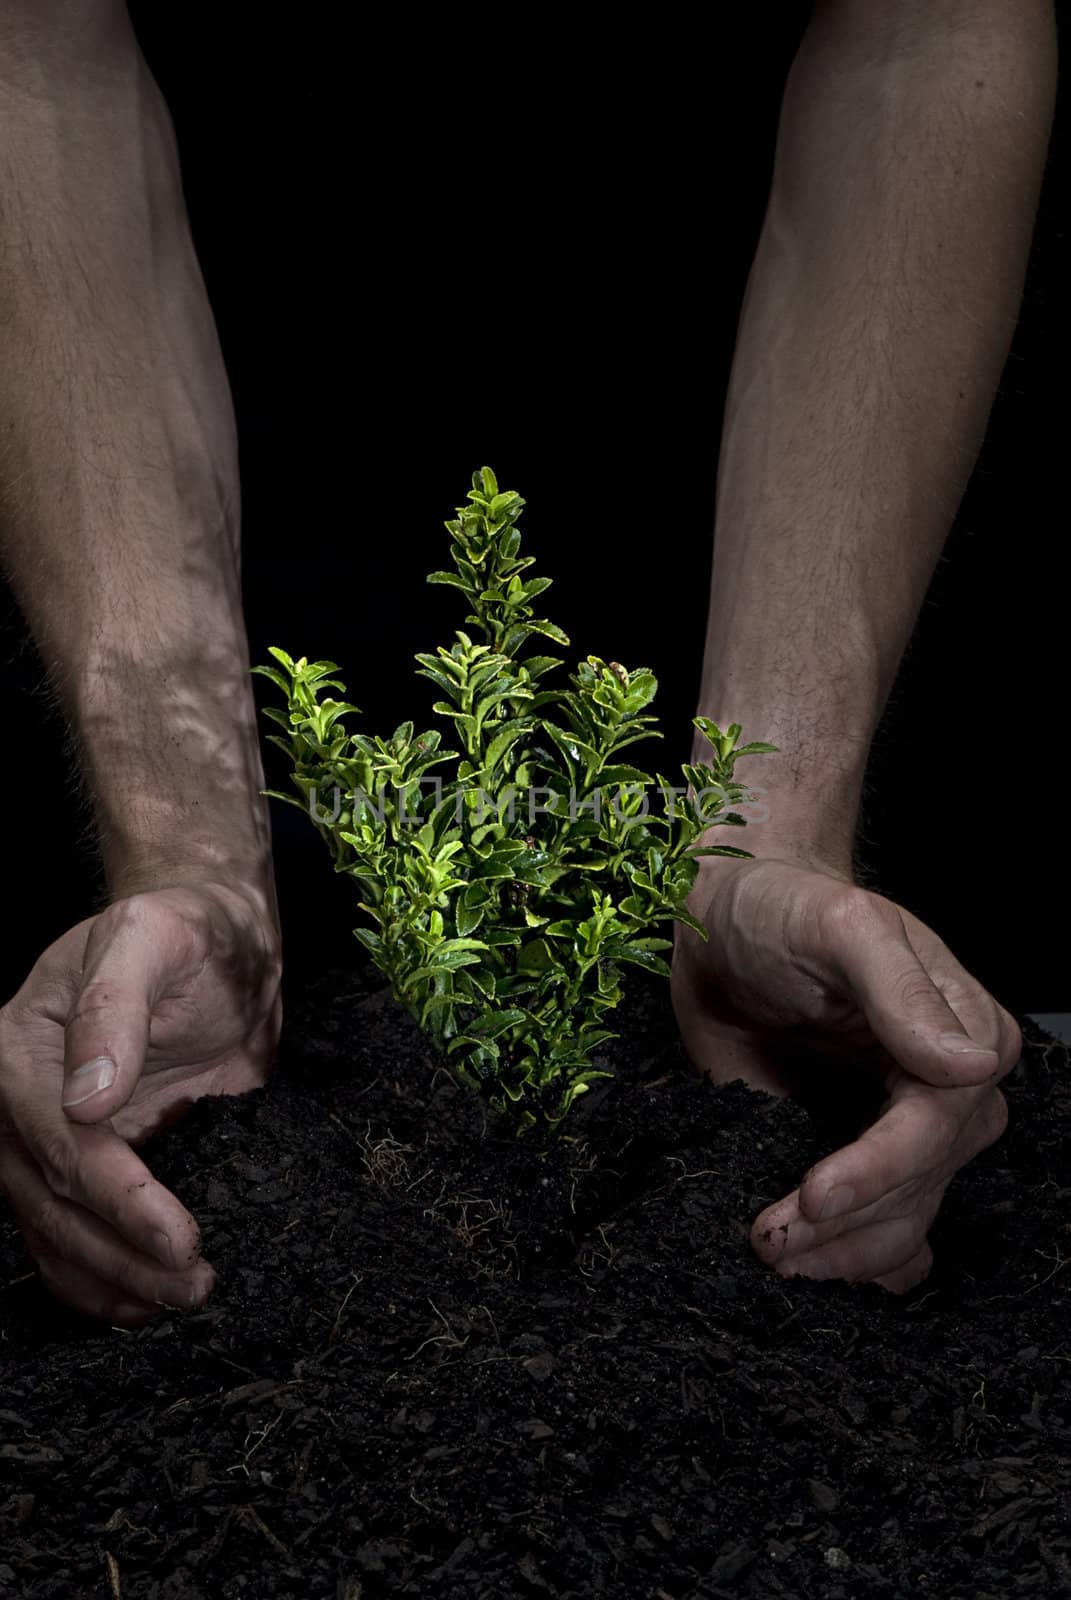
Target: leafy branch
<point>504,895</point>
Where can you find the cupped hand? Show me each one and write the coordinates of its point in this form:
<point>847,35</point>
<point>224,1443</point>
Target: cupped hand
<point>800,966</point>
<point>163,997</point>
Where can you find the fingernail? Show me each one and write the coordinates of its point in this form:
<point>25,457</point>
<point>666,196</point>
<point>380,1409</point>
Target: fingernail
<point>958,1044</point>
<point>88,1080</point>
<point>839,1200</point>
<point>163,1248</point>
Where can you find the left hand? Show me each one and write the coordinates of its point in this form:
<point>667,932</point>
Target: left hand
<point>171,994</point>
<point>799,960</point>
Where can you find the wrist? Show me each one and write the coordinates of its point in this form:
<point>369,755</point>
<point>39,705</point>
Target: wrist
<point>150,839</point>
<point>170,751</point>
<point>809,840</point>
<point>791,811</point>
<point>247,896</point>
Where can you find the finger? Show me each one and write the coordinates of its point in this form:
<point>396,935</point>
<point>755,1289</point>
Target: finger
<point>907,1013</point>
<point>65,1234</point>
<point>984,1019</point>
<point>878,1251</point>
<point>924,1135</point>
<point>97,1170</point>
<point>910,1275</point>
<point>92,1166</point>
<point>981,1014</point>
<point>129,962</point>
<point>83,1293</point>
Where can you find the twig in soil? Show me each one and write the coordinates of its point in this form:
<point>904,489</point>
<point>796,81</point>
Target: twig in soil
<point>1061,1262</point>
<point>119,1519</point>
<point>214,1355</point>
<point>258,1435</point>
<point>247,1514</point>
<point>383,1159</point>
<point>468,1230</point>
<point>25,1278</point>
<point>113,1575</point>
<point>593,1256</point>
<point>491,1320</point>
<point>288,1229</point>
<point>449,1338</point>
<point>703,1172</point>
<point>357,1279</point>
<point>417,1502</point>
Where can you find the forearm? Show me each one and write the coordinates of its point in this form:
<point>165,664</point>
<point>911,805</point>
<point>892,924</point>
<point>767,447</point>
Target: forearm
<point>876,323</point>
<point>119,501</point>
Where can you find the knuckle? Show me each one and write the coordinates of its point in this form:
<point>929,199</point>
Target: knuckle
<point>912,990</point>
<point>170,916</point>
<point>47,1230</point>
<point>58,1163</point>
<point>945,1125</point>
<point>97,997</point>
<point>133,1279</point>
<point>848,912</point>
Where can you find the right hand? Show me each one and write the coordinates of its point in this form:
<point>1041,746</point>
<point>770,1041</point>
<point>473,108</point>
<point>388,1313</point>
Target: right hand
<point>178,988</point>
<point>802,969</point>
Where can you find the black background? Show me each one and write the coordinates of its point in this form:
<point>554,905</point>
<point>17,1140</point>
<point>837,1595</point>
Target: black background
<point>440,247</point>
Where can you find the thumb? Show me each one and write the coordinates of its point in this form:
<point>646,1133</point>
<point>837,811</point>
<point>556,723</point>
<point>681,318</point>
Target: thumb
<point>107,1031</point>
<point>906,1011</point>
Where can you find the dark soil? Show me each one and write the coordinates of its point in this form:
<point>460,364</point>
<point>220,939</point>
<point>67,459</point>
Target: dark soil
<point>441,1364</point>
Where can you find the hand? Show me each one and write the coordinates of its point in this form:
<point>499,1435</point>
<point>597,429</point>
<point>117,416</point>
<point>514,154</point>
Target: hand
<point>162,998</point>
<point>800,963</point>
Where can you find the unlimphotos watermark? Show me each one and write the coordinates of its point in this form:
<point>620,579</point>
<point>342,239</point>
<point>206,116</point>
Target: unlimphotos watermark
<point>629,803</point>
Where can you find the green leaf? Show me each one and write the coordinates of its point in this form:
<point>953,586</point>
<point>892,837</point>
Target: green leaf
<point>548,629</point>
<point>505,738</point>
<point>622,775</point>
<point>373,942</point>
<point>276,794</point>
<point>432,969</point>
<point>720,850</point>
<point>492,1023</point>
<point>277,714</point>
<point>468,918</point>
<point>640,957</point>
<point>276,678</point>
<point>681,915</point>
<point>536,666</point>
<point>453,579</point>
<point>710,729</point>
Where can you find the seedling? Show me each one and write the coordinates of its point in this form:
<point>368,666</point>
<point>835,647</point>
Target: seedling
<point>508,881</point>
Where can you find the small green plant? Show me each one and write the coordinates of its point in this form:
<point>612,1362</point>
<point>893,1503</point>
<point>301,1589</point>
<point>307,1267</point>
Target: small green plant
<point>505,893</point>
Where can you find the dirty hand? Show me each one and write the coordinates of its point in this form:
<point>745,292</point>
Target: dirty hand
<point>801,961</point>
<point>161,998</point>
